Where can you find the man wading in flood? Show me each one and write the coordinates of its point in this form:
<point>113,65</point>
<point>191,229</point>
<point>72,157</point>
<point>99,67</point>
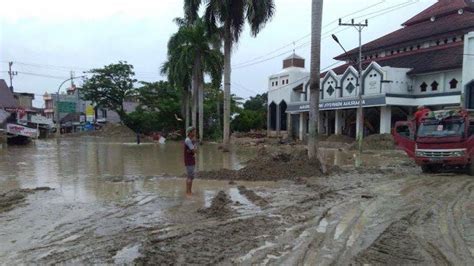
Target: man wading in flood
<point>189,159</point>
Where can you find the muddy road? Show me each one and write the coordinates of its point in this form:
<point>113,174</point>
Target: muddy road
<point>387,212</point>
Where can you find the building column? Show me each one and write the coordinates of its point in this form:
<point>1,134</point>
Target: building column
<point>289,126</point>
<point>268,121</point>
<point>339,122</point>
<point>385,119</point>
<point>278,120</point>
<point>359,125</point>
<point>301,127</point>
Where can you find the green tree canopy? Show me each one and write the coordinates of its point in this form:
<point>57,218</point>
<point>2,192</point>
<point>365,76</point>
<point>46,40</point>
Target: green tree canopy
<point>110,86</point>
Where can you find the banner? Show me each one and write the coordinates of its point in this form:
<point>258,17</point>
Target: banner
<point>20,130</point>
<point>67,107</point>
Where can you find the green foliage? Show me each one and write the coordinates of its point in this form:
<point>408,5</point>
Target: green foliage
<point>253,116</point>
<point>110,86</point>
<point>159,109</point>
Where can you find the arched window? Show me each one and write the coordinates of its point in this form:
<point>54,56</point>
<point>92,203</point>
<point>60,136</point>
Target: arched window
<point>423,87</point>
<point>453,84</point>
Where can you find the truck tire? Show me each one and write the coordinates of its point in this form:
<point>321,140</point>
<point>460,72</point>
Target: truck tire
<point>470,168</point>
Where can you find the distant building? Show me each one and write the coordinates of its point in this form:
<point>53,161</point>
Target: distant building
<point>7,99</point>
<point>427,62</point>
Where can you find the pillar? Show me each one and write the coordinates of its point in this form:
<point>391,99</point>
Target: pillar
<point>289,126</point>
<point>302,130</point>
<point>269,126</point>
<point>359,124</point>
<point>278,120</point>
<point>339,122</point>
<point>385,119</point>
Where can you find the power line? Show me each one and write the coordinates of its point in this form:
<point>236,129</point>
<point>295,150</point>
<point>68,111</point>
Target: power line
<point>306,36</point>
<point>328,34</point>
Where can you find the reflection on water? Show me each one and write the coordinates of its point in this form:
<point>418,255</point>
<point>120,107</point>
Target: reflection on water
<point>79,167</point>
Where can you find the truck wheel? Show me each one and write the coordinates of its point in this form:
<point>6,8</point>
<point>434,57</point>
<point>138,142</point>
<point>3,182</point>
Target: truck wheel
<point>470,168</point>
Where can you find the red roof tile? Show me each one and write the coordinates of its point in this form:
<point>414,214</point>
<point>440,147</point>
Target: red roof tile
<point>422,61</point>
<point>445,27</point>
<point>441,8</point>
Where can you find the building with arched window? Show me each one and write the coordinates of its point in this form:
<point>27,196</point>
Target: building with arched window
<point>429,62</point>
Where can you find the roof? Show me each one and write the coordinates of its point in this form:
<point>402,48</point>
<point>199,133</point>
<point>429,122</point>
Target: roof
<point>6,96</point>
<point>294,56</point>
<point>423,61</point>
<point>443,27</point>
<point>441,8</point>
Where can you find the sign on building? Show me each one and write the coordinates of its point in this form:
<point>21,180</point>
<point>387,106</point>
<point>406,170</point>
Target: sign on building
<point>22,130</point>
<point>90,113</point>
<point>67,107</point>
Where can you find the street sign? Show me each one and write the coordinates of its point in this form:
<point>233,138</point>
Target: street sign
<point>67,107</point>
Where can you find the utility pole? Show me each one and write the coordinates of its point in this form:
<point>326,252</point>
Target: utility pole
<point>360,126</point>
<point>11,74</point>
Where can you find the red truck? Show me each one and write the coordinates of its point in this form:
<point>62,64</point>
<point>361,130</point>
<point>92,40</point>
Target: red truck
<point>441,140</point>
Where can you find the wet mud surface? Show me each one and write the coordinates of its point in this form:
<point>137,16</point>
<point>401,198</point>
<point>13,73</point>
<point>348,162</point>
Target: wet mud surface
<point>386,212</point>
<point>13,198</point>
<point>269,167</point>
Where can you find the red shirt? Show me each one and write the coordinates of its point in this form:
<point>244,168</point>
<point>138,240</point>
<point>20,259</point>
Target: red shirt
<point>189,158</point>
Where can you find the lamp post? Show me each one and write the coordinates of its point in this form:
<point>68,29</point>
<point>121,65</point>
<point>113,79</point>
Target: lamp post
<point>360,125</point>
<point>58,123</point>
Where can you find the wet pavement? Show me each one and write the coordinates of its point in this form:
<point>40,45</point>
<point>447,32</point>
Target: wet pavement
<point>116,202</point>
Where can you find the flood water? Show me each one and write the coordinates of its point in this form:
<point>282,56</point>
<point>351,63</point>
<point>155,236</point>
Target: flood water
<point>105,184</point>
<point>79,165</point>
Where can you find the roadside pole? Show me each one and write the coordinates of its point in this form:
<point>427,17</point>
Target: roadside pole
<point>360,126</point>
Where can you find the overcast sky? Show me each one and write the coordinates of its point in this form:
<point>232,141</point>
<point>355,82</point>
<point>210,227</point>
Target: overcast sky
<point>49,38</point>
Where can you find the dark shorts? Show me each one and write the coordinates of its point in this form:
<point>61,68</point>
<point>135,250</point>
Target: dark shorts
<point>190,171</point>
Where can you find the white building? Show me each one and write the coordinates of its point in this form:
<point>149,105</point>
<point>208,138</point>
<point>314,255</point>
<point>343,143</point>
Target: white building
<point>430,61</point>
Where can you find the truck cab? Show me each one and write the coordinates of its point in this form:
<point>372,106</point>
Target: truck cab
<point>440,140</point>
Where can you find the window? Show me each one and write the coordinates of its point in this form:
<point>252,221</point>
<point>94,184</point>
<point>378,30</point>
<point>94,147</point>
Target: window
<point>286,81</point>
<point>276,83</point>
<point>330,90</point>
<point>453,84</point>
<point>434,86</point>
<point>350,88</point>
<point>423,87</point>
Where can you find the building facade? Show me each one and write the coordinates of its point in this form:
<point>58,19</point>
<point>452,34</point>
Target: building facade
<point>429,62</point>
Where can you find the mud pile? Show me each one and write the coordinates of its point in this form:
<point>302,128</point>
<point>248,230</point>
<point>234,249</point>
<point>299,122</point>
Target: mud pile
<point>376,142</point>
<point>270,167</point>
<point>13,198</point>
<point>252,196</point>
<point>220,206</point>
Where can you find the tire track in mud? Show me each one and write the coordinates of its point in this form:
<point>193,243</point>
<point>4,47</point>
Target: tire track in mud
<point>433,229</point>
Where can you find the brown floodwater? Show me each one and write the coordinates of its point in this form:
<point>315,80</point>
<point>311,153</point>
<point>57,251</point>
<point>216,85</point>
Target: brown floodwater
<point>79,165</point>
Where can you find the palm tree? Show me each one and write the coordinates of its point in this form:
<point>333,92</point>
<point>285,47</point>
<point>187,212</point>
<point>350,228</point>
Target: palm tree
<point>231,15</point>
<point>316,20</point>
<point>192,52</point>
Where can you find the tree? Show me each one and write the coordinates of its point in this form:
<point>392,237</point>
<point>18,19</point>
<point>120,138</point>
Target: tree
<point>316,21</point>
<point>231,15</point>
<point>159,105</point>
<point>253,116</point>
<point>110,86</point>
<point>194,45</point>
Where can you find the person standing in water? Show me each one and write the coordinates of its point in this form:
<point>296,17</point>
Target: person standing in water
<point>189,158</point>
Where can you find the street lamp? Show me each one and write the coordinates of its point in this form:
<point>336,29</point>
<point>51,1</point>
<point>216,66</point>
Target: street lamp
<point>58,124</point>
<point>359,126</point>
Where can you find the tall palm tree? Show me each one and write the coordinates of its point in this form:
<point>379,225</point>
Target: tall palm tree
<point>192,52</point>
<point>231,15</point>
<point>316,20</point>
